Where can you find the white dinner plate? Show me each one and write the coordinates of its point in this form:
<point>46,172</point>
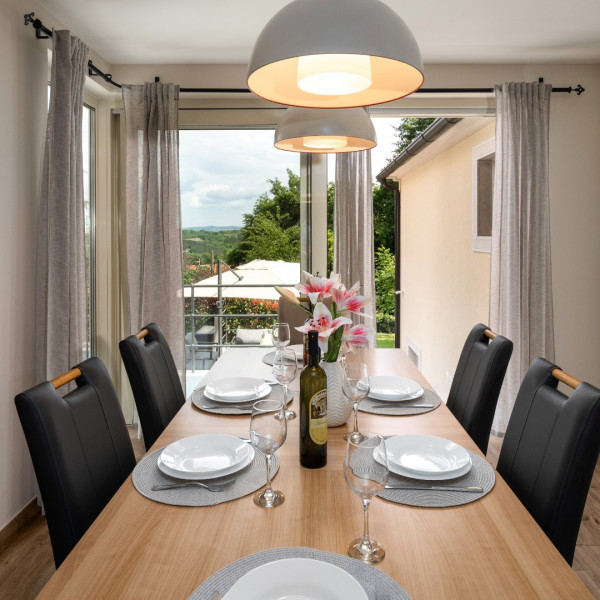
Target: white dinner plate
<point>236,389</point>
<point>393,389</point>
<point>296,579</point>
<point>205,456</point>
<point>298,350</point>
<point>426,457</point>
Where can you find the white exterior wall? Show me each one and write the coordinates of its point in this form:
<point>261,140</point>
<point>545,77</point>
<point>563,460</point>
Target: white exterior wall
<point>445,284</point>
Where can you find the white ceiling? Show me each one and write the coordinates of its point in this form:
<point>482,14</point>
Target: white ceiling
<point>224,31</point>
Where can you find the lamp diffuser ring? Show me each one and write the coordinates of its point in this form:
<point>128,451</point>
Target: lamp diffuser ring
<point>325,131</point>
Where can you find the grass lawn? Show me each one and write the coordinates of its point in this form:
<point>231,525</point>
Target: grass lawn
<point>385,340</point>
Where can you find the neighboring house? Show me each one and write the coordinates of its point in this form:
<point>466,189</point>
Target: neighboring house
<point>445,276</point>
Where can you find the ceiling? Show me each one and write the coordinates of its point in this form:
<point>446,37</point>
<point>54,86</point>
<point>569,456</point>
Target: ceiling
<point>224,31</point>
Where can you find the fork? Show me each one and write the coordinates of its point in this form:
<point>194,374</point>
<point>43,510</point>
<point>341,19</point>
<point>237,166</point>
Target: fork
<point>212,487</point>
<point>402,405</point>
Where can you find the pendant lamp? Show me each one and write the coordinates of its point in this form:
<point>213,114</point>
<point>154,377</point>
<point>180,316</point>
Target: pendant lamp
<point>325,131</point>
<point>335,54</point>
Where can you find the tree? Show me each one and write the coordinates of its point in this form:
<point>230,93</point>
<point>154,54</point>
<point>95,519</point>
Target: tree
<point>383,217</point>
<point>271,231</point>
<point>267,240</point>
<point>408,130</point>
<point>385,278</point>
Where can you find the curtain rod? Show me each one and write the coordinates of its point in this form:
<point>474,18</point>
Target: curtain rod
<point>43,33</point>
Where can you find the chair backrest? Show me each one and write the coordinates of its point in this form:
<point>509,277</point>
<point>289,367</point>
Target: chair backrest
<point>550,451</point>
<point>154,380</point>
<point>477,381</point>
<point>294,316</point>
<point>80,449</point>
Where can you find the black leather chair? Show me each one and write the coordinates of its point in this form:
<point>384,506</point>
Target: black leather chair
<point>477,381</point>
<point>80,449</point>
<point>154,380</point>
<point>550,451</point>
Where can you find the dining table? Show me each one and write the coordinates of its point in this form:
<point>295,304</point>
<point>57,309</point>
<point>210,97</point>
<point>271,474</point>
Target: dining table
<point>485,549</point>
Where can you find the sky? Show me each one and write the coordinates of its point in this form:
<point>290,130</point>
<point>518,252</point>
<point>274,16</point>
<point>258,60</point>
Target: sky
<point>223,172</point>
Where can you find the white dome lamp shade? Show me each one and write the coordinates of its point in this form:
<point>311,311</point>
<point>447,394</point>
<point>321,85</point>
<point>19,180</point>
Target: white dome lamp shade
<point>335,54</point>
<point>325,131</point>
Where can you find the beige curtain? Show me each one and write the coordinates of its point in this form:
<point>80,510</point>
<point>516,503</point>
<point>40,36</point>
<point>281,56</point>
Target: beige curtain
<point>153,283</point>
<point>61,315</point>
<point>353,252</point>
<point>521,270</point>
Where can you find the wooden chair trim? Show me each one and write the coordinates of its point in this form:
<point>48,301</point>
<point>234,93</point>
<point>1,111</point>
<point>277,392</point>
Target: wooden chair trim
<point>556,373</point>
<point>65,378</point>
<point>142,334</point>
<point>565,378</point>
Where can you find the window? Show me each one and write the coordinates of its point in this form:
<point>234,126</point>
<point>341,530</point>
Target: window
<point>240,209</point>
<point>483,188</point>
<point>89,201</point>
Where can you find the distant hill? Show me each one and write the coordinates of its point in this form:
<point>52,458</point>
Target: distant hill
<point>213,228</point>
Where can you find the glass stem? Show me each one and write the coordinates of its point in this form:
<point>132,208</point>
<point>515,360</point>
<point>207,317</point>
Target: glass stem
<point>366,540</point>
<point>355,417</point>
<point>268,489</point>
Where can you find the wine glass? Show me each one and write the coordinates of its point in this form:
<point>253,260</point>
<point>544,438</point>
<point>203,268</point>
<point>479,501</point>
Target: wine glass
<point>268,430</point>
<point>281,335</point>
<point>366,472</point>
<point>355,385</point>
<point>285,368</point>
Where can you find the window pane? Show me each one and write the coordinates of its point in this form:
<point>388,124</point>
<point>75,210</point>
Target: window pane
<point>88,206</point>
<point>240,210</point>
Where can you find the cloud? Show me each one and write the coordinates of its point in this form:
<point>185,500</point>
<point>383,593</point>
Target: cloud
<point>223,172</point>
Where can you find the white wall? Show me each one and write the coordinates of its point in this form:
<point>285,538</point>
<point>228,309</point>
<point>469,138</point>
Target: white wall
<point>23,73</point>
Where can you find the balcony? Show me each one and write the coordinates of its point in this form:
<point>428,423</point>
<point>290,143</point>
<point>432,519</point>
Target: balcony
<point>232,308</point>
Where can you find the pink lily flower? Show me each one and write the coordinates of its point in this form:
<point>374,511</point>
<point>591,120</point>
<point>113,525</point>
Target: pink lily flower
<point>317,288</point>
<point>357,336</point>
<point>323,321</point>
<point>347,301</point>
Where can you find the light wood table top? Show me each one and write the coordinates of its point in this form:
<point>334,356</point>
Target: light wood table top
<point>487,549</point>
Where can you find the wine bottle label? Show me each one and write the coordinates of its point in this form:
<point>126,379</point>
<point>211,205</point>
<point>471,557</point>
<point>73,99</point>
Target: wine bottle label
<point>317,420</point>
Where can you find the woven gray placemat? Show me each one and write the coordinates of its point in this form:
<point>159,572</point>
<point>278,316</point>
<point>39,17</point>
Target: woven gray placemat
<point>409,407</point>
<point>199,400</point>
<point>481,475</point>
<point>248,480</point>
<point>270,356</point>
<point>377,585</point>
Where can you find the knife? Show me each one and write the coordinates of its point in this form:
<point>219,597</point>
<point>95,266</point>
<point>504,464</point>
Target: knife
<point>236,409</point>
<point>438,488</point>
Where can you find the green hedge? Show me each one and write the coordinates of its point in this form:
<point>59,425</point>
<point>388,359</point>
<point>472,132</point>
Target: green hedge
<point>385,323</point>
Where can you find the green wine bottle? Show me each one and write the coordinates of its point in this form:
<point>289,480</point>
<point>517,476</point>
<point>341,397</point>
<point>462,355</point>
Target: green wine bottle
<point>313,409</point>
